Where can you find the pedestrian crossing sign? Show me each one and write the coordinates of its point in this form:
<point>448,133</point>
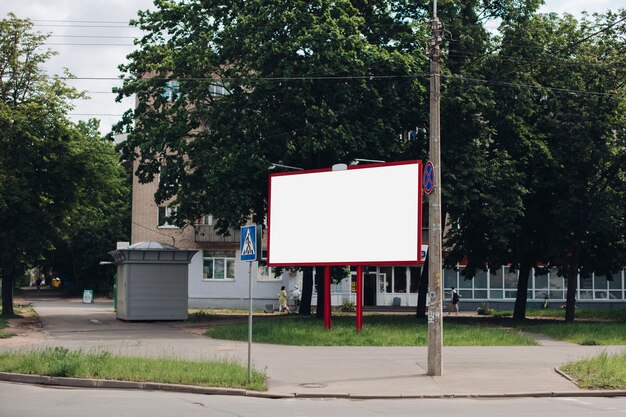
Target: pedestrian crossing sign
<point>248,243</point>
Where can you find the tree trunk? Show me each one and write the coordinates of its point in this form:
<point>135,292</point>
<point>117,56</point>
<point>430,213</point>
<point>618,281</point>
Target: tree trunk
<point>572,271</point>
<point>519,312</point>
<point>8,278</point>
<point>319,286</point>
<point>307,291</point>
<point>572,284</point>
<point>421,292</point>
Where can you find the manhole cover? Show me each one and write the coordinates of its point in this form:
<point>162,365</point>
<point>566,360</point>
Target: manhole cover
<point>313,385</point>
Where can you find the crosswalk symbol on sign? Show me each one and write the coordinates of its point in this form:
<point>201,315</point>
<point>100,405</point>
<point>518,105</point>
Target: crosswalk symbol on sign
<point>248,243</point>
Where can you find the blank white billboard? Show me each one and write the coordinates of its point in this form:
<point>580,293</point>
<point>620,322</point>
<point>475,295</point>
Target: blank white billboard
<point>368,215</point>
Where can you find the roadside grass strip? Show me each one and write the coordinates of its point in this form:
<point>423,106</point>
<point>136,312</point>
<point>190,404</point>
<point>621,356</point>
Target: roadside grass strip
<point>62,362</point>
<point>378,330</point>
<point>605,371</point>
<point>582,333</point>
<point>607,314</point>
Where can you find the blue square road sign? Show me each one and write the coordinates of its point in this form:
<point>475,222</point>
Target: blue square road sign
<point>248,243</point>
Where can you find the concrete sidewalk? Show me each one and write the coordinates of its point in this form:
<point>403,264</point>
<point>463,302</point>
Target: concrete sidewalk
<point>357,372</point>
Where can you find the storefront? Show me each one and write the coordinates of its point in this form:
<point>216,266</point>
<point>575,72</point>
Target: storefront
<point>397,285</point>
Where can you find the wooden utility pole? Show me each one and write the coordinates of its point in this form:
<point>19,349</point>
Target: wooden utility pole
<point>435,319</point>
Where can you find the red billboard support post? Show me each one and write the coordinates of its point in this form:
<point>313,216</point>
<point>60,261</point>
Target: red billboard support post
<point>327,322</point>
<point>359,298</point>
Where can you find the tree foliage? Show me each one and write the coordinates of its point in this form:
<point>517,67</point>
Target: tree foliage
<point>556,87</point>
<point>45,160</point>
<point>307,84</point>
<point>100,217</point>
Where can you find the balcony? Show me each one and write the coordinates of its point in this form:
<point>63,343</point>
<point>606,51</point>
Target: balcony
<point>207,233</point>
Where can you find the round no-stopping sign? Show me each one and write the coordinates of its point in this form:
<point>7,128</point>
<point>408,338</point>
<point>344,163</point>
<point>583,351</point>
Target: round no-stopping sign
<point>429,177</point>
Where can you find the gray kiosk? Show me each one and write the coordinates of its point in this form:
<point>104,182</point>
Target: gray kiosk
<point>152,281</point>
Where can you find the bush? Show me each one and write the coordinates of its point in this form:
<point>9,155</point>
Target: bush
<point>348,306</point>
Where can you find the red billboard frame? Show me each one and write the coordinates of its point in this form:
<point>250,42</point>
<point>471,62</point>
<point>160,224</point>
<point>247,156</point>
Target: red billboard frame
<point>418,184</point>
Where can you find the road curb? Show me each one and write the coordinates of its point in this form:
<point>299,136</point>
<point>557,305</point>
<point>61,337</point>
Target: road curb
<point>193,389</point>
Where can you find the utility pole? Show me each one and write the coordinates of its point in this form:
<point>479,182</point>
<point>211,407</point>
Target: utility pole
<point>435,319</point>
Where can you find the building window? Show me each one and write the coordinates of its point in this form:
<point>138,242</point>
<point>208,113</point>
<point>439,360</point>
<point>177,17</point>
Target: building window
<point>164,217</point>
<point>496,283</point>
<point>465,285</point>
<point>415,278</point>
<point>450,278</point>
<point>384,280</point>
<point>510,282</point>
<point>557,285</point>
<point>266,273</point>
<point>585,288</point>
<point>218,264</point>
<point>615,286</point>
<point>217,90</point>
<point>399,279</point>
<point>171,90</point>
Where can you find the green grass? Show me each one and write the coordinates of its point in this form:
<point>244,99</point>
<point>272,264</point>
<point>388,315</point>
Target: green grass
<point>378,330</point>
<point>198,315</point>
<point>63,362</point>
<point>601,372</point>
<point>608,314</point>
<point>582,333</point>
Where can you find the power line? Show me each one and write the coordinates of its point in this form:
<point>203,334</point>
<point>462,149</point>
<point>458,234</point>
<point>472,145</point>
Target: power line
<point>78,21</point>
<point>590,36</point>
<point>534,87</point>
<point>364,77</point>
<point>95,114</point>
<point>87,26</point>
<point>88,44</point>
<point>93,36</point>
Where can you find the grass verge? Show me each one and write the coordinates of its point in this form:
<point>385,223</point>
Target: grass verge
<point>601,372</point>
<point>607,314</point>
<point>378,330</point>
<point>63,362</point>
<point>198,315</point>
<point>582,333</point>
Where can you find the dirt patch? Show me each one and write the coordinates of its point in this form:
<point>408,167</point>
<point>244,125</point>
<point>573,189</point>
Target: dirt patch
<point>26,327</point>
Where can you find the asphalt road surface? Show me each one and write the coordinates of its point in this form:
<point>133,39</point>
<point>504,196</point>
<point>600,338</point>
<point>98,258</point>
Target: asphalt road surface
<point>18,400</point>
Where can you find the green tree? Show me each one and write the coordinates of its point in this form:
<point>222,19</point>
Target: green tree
<point>481,187</point>
<point>100,217</point>
<point>558,113</point>
<point>297,83</point>
<point>586,134</point>
<point>38,146</point>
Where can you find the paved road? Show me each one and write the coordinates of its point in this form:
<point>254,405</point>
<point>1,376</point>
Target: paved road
<point>28,401</point>
<point>361,371</point>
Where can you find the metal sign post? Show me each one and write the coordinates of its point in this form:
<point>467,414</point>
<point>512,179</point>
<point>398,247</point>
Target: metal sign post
<point>248,250</point>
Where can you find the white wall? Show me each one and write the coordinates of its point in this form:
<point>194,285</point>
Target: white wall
<point>234,293</point>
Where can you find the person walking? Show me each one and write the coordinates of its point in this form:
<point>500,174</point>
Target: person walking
<point>454,300</point>
<point>296,294</point>
<point>282,300</point>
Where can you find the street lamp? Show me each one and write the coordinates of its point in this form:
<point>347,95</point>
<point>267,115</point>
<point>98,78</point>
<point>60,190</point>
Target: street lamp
<point>356,161</point>
<point>274,166</point>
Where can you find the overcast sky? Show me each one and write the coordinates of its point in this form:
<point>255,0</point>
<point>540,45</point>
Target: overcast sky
<point>92,39</point>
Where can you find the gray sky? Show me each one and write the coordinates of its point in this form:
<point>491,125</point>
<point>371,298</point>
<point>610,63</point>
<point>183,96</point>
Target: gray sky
<point>76,25</point>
